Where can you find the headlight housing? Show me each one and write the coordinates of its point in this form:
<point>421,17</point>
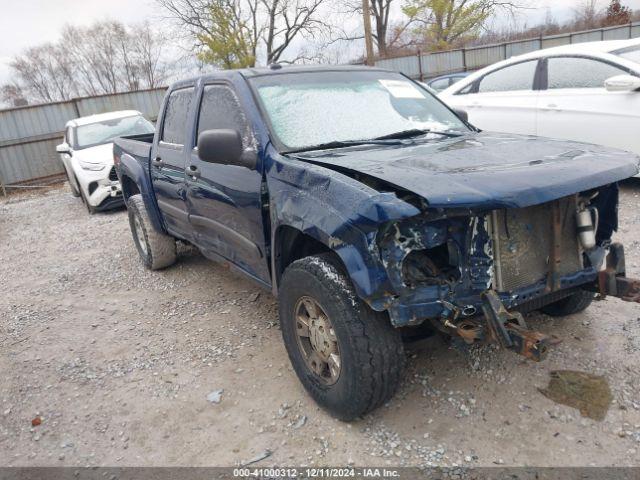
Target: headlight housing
<point>94,167</point>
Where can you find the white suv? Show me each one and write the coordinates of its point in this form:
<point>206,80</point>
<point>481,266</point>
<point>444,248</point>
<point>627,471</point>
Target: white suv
<point>87,155</point>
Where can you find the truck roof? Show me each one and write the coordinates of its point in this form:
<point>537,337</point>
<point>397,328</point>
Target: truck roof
<point>275,69</point>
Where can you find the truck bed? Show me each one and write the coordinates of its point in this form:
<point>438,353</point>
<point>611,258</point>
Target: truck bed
<point>138,146</point>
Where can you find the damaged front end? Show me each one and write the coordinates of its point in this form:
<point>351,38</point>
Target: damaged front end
<point>472,272</point>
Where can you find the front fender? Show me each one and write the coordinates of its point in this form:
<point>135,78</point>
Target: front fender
<point>132,169</point>
<point>341,213</point>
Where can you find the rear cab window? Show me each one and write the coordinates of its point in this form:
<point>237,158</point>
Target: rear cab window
<point>176,116</point>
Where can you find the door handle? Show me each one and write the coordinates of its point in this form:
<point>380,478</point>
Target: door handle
<point>193,171</point>
<point>157,162</point>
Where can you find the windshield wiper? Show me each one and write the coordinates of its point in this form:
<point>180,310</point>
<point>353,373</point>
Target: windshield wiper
<point>416,132</point>
<point>341,144</point>
<point>383,140</point>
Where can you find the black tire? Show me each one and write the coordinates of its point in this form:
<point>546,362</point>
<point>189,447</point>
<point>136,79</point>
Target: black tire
<point>156,249</point>
<point>370,349</point>
<point>574,303</point>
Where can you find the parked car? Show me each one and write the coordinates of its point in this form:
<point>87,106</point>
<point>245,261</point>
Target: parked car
<point>588,92</point>
<point>366,205</point>
<point>445,81</point>
<point>87,155</point>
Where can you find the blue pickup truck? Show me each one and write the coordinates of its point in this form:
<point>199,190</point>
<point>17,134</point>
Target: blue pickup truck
<point>368,207</point>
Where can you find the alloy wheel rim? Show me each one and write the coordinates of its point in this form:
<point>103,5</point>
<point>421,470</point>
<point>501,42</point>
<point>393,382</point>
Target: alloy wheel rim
<point>317,340</point>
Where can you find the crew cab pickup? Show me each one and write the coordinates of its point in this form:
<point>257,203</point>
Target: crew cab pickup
<point>368,207</point>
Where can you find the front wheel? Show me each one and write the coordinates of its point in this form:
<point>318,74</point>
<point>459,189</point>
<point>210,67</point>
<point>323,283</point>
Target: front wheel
<point>348,357</point>
<point>156,249</point>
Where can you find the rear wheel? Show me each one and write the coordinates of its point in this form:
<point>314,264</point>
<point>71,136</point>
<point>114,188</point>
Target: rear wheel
<point>348,357</point>
<point>156,249</point>
<point>574,303</point>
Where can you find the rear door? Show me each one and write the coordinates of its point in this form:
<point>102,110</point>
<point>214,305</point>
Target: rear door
<point>503,100</point>
<point>168,160</point>
<point>576,106</point>
<point>225,201</point>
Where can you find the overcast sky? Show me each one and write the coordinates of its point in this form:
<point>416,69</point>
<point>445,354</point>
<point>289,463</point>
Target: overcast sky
<point>24,23</point>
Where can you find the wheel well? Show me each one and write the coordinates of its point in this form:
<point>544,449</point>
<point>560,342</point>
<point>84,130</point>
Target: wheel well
<point>129,187</point>
<point>291,245</point>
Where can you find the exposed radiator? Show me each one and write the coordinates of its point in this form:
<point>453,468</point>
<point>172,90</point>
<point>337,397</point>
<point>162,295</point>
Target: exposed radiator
<point>523,243</point>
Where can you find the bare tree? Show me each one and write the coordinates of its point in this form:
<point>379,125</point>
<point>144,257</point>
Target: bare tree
<point>442,24</point>
<point>587,15</point>
<point>381,15</point>
<point>12,95</point>
<point>231,32</point>
<point>106,57</point>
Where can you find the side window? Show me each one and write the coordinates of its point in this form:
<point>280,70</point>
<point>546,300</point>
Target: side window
<point>176,116</point>
<point>574,72</point>
<point>514,77</point>
<point>220,109</point>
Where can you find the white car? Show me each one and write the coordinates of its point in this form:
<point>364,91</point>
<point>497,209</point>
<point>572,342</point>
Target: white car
<point>588,92</point>
<point>87,155</point>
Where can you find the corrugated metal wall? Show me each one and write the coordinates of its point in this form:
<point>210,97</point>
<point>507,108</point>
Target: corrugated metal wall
<point>29,135</point>
<point>439,63</point>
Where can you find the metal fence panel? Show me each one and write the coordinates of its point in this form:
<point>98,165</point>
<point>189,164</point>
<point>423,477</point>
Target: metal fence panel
<point>520,48</point>
<point>617,33</point>
<point>34,121</point>
<point>147,102</point>
<point>635,30</point>
<point>407,65</point>
<point>483,56</point>
<point>591,36</point>
<point>439,63</point>
<point>555,41</point>
<point>26,161</point>
<point>29,135</point>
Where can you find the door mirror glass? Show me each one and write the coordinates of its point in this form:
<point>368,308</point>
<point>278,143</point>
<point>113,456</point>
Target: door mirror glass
<point>224,146</point>
<point>63,148</point>
<point>622,83</point>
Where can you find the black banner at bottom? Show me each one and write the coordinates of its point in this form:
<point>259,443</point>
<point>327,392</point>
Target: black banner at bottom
<point>311,473</point>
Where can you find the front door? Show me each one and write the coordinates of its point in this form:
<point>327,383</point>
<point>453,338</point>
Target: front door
<point>576,106</point>
<point>168,160</point>
<point>506,100</point>
<point>225,201</point>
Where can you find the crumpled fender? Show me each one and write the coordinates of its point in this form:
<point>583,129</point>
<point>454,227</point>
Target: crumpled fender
<point>339,212</point>
<point>130,167</point>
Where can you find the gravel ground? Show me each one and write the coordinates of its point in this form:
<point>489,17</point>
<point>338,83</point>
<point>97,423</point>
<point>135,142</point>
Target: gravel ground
<point>117,363</point>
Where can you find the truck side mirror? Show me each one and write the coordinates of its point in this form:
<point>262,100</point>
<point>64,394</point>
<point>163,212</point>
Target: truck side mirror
<point>224,146</point>
<point>462,115</point>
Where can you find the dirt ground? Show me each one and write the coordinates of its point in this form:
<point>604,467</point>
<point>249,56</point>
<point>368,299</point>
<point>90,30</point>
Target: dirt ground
<point>118,361</point>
